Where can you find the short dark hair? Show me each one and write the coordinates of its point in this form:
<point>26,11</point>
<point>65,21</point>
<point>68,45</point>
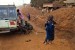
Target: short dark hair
<point>50,17</point>
<point>17,10</point>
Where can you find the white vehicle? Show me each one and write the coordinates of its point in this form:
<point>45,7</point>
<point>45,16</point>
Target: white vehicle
<point>8,18</point>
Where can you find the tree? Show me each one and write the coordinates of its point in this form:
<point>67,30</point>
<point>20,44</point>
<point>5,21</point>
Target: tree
<point>39,3</point>
<point>51,1</point>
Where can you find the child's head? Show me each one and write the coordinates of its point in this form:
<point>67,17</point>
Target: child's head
<point>25,21</point>
<point>17,10</point>
<point>50,18</point>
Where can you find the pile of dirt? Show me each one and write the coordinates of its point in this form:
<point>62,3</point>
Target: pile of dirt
<point>31,10</point>
<point>35,15</point>
<point>65,18</point>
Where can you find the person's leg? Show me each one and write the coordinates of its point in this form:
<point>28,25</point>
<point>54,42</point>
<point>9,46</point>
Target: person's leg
<point>45,40</point>
<point>28,17</point>
<point>50,42</point>
<point>22,22</point>
<point>21,26</point>
<point>51,38</point>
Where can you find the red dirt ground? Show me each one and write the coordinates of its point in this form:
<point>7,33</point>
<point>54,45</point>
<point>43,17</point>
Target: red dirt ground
<point>64,32</point>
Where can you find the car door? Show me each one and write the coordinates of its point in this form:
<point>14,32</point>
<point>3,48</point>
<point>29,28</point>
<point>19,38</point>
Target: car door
<point>4,23</point>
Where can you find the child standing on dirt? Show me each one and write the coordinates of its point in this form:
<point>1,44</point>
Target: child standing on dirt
<point>28,16</point>
<point>21,18</point>
<point>49,30</point>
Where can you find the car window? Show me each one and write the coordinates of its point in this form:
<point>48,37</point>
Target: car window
<point>12,12</point>
<point>3,12</point>
<point>8,13</point>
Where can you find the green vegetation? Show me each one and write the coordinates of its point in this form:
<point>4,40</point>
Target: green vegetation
<point>39,3</point>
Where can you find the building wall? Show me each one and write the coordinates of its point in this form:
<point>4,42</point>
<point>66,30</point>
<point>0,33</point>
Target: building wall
<point>69,1</point>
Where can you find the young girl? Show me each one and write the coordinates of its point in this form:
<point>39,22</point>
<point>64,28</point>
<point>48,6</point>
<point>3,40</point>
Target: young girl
<point>49,30</point>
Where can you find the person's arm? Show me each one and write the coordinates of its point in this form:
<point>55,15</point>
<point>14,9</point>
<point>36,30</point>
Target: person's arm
<point>45,24</point>
<point>54,22</point>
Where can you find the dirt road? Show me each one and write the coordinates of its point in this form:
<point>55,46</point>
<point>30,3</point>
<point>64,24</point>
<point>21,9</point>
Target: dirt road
<point>18,41</point>
<point>32,41</point>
